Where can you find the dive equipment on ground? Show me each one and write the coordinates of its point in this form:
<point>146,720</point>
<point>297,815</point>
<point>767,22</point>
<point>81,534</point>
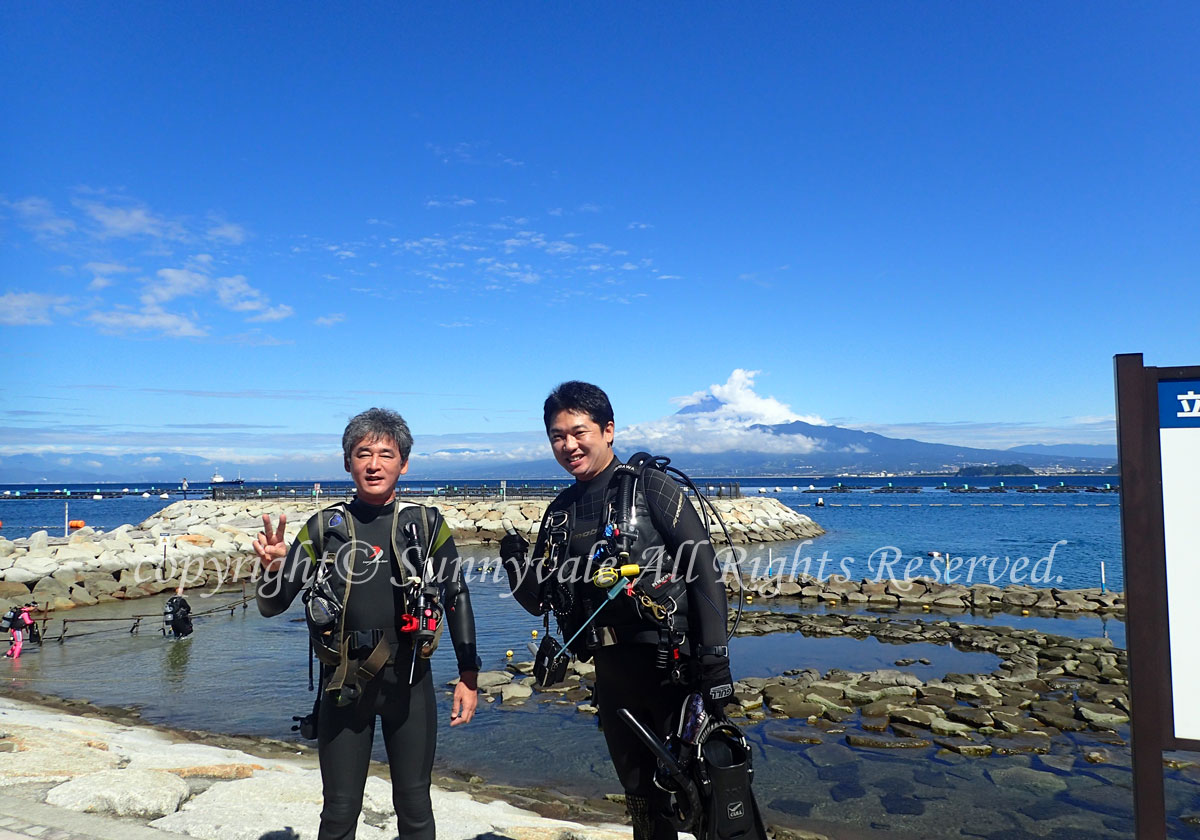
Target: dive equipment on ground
<point>705,769</point>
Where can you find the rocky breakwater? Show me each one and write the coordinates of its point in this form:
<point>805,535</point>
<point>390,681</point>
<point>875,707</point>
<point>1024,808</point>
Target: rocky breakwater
<point>927,594</point>
<point>208,544</point>
<point>1046,684</point>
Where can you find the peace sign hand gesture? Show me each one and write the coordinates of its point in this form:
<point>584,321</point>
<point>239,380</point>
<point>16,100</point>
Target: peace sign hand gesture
<point>271,545</point>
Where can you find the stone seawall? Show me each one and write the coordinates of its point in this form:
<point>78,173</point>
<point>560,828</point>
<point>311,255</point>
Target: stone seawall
<point>929,594</point>
<point>208,544</point>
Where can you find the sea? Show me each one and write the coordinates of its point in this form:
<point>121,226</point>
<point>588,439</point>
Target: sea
<point>241,673</point>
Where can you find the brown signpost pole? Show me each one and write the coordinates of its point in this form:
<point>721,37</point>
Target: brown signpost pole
<point>1148,623</point>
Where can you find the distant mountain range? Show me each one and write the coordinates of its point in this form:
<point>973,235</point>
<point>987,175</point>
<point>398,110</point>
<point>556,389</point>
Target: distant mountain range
<point>706,438</point>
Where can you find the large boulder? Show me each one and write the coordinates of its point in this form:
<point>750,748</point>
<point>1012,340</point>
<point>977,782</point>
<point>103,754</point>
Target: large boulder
<point>148,794</point>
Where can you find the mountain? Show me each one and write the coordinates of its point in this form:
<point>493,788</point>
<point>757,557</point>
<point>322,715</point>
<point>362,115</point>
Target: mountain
<point>1071,450</point>
<point>728,430</point>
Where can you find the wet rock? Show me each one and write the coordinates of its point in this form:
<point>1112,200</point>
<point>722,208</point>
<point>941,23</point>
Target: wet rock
<point>843,791</point>
<point>514,693</point>
<point>1101,716</point>
<point>969,715</point>
<point>1045,783</point>
<point>964,747</point>
<point>875,742</point>
<point>829,755</point>
<point>902,805</point>
<point>941,726</point>
<point>914,717</point>
<point>1022,743</point>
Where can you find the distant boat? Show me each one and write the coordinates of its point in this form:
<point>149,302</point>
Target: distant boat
<point>217,478</point>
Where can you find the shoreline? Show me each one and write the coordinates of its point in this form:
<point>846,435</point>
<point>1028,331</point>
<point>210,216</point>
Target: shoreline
<point>500,810</point>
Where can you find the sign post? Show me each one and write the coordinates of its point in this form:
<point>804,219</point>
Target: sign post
<point>1158,448</point>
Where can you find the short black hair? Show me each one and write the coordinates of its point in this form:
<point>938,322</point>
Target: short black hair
<point>578,396</point>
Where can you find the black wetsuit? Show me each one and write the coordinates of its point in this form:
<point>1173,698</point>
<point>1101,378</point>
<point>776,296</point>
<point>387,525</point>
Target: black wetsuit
<point>626,672</point>
<point>407,712</point>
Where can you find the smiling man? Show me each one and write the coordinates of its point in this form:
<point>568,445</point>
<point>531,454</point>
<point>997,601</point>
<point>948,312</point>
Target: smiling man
<point>662,636</point>
<point>373,568</point>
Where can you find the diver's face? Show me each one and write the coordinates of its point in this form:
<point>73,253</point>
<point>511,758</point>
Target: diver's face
<point>375,465</point>
<point>581,445</point>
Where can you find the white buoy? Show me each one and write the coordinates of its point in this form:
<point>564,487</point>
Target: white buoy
<point>145,495</point>
<point>164,495</point>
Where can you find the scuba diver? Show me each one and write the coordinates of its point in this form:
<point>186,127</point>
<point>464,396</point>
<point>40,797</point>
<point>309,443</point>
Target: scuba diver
<point>626,565</point>
<point>380,578</point>
<point>18,621</point>
<point>177,615</point>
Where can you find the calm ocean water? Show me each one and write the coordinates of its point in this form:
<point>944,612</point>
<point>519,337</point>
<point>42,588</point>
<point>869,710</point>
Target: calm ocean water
<point>247,674</point>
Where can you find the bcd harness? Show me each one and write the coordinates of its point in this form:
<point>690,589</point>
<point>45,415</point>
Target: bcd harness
<point>355,657</point>
<point>658,595</point>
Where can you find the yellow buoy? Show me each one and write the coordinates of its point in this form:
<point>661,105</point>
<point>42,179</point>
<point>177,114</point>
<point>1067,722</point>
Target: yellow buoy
<point>1024,612</point>
<point>508,653</point>
<point>535,634</point>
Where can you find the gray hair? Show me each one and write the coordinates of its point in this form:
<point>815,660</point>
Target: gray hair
<point>377,424</point>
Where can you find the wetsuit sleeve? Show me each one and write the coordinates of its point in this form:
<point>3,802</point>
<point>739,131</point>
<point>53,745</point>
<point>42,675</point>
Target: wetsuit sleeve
<point>276,590</point>
<point>522,576</point>
<point>689,543</point>
<point>459,616</point>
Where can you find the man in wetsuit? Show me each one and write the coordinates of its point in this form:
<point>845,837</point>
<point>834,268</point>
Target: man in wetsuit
<point>633,670</point>
<point>379,548</point>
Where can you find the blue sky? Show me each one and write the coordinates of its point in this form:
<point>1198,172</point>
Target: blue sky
<point>224,228</point>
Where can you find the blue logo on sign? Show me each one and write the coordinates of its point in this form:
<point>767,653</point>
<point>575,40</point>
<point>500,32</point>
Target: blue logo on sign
<point>335,520</point>
<point>1179,403</point>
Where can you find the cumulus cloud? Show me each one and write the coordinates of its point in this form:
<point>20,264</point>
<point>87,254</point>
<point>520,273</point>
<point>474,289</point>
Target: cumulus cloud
<point>23,309</point>
<point>719,419</point>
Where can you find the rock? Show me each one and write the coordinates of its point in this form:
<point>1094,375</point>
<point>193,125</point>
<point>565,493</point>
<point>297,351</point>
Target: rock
<point>1099,715</point>
<point>970,715</point>
<point>493,679</point>
<point>830,755</point>
<point>11,590</point>
<point>123,793</point>
<point>875,742</point>
<point>38,541</point>
<point>1043,782</point>
<point>514,693</point>
<point>941,726</point>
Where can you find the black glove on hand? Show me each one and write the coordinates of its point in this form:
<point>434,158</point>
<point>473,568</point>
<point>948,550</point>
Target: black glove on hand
<point>513,547</point>
<point>716,683</point>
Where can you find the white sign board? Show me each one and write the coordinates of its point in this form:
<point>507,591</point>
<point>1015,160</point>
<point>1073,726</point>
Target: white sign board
<point>1179,437</point>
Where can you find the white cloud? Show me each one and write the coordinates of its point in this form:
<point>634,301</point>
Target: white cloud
<point>23,309</point>
<point>721,421</point>
<point>1088,430</point>
<point>330,320</point>
<point>452,201</point>
<point>638,226</point>
<point>274,313</point>
<point>102,272</point>
<point>228,232</point>
<point>236,294</point>
<point>150,318</point>
<point>38,214</point>
<point>173,283</point>
<point>122,222</point>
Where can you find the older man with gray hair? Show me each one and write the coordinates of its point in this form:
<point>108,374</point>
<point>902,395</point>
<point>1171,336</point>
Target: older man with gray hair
<point>382,575</point>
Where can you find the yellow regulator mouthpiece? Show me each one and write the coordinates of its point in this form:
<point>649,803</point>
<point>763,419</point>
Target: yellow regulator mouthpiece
<point>609,575</point>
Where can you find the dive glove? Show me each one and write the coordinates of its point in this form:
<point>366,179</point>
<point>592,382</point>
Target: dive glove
<point>513,546</point>
<point>716,683</point>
